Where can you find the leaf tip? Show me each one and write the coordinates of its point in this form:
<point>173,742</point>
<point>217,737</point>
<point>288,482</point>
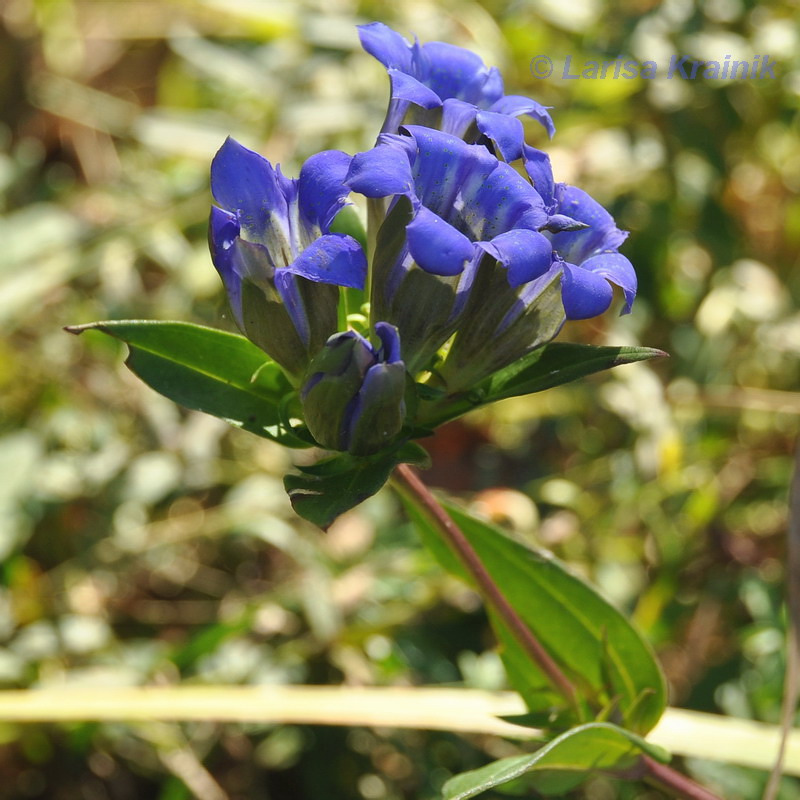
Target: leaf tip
<point>640,354</point>
<point>77,330</point>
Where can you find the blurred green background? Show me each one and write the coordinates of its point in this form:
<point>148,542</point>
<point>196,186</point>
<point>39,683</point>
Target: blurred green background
<point>144,544</point>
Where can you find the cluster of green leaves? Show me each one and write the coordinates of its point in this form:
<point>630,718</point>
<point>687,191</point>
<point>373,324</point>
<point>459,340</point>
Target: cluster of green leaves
<point>618,679</point>
<point>227,376</point>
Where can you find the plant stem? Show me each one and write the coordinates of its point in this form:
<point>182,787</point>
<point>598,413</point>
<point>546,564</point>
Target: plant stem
<point>487,587</point>
<point>656,773</point>
<point>673,782</point>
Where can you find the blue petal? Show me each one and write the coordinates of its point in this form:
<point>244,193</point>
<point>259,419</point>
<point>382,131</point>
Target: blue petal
<point>584,294</point>
<point>492,89</point>
<point>456,72</point>
<point>334,258</point>
<point>236,259</point>
<point>286,283</point>
<point>436,246</point>
<point>526,254</point>
<point>616,268</point>
<point>537,165</point>
<point>223,231</point>
<point>287,186</point>
<point>506,132</point>
<point>406,87</point>
<point>515,104</point>
<point>245,183</point>
<point>506,200</point>
<point>390,339</point>
<point>321,188</point>
<point>446,168</point>
<point>381,172</point>
<point>601,235</point>
<point>388,46</point>
<point>457,116</point>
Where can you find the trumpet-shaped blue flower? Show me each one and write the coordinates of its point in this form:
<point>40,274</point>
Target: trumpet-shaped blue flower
<point>465,96</point>
<point>458,204</point>
<point>271,244</point>
<point>470,247</point>
<point>353,396</point>
<point>589,254</point>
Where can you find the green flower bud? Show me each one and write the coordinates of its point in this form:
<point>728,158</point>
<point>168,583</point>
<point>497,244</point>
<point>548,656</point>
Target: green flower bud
<point>353,397</point>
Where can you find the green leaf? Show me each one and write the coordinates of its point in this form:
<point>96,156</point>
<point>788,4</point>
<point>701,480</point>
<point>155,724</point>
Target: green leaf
<point>553,365</point>
<point>208,370</point>
<point>562,764</point>
<point>612,667</point>
<point>560,363</point>
<point>334,485</point>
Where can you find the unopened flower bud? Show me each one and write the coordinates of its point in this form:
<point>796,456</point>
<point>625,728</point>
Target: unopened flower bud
<point>353,396</point>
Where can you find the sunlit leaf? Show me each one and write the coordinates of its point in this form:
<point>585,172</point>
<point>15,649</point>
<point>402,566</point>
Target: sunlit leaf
<point>208,370</point>
<point>612,667</point>
<point>560,765</point>
<point>553,365</point>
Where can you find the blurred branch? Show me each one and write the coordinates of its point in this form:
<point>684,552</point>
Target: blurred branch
<point>791,689</point>
<point>737,398</point>
<point>178,756</point>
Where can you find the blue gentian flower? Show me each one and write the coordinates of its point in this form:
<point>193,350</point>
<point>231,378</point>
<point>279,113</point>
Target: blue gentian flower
<point>353,396</point>
<point>470,247</point>
<point>271,244</point>
<point>475,261</point>
<point>589,254</point>
<point>501,325</point>
<point>448,87</point>
<point>456,204</point>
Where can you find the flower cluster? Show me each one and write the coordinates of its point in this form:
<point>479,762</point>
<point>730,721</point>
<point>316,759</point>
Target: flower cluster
<point>476,256</point>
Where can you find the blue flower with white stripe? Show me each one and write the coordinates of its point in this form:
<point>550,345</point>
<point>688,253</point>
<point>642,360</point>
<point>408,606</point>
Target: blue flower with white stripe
<point>271,243</point>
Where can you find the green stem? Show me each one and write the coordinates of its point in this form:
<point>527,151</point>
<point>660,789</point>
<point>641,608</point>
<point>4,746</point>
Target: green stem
<point>656,773</point>
<point>376,213</point>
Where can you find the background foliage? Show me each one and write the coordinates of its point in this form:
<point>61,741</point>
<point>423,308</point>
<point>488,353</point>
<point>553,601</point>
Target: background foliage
<point>141,543</point>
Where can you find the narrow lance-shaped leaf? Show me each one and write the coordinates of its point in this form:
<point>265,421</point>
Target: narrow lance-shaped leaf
<point>612,667</point>
<point>219,373</point>
<point>553,365</point>
<point>561,765</point>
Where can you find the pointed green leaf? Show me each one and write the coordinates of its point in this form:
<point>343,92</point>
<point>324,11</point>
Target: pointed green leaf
<point>607,660</point>
<point>334,485</point>
<point>562,764</point>
<point>553,365</point>
<point>208,370</point>
<point>560,363</point>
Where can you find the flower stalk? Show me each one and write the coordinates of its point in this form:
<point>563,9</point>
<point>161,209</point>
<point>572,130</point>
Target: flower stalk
<point>410,485</point>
